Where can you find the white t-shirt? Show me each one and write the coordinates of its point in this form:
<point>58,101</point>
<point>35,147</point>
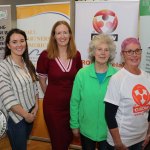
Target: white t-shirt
<point>131,94</point>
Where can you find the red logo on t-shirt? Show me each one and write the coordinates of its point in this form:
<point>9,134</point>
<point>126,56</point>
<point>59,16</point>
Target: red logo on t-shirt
<point>141,97</point>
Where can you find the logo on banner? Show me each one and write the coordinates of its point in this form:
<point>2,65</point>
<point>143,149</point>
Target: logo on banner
<point>3,124</point>
<point>3,14</point>
<point>142,99</point>
<point>105,21</point>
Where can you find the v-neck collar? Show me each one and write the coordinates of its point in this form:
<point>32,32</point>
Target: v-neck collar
<point>62,66</point>
<point>13,62</point>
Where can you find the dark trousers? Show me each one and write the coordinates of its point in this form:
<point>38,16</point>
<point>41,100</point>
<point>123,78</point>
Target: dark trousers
<point>18,134</point>
<point>148,147</point>
<point>88,144</point>
<point>137,146</point>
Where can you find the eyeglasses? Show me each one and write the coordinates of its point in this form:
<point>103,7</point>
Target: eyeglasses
<point>131,52</point>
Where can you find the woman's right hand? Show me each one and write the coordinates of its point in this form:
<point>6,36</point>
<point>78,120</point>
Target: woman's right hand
<point>76,132</point>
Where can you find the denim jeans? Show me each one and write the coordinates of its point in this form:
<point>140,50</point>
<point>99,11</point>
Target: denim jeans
<point>18,134</point>
<point>88,144</point>
<point>137,146</point>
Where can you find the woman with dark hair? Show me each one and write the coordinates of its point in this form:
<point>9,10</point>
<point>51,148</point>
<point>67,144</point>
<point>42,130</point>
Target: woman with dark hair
<point>59,65</point>
<point>18,89</point>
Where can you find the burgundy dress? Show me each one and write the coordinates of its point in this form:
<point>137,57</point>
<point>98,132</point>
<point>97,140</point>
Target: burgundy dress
<point>56,103</point>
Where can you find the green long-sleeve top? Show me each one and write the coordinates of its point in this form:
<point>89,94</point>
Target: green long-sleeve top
<point>87,108</point>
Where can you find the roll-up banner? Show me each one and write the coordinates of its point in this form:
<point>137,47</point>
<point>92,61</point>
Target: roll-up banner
<point>37,21</point>
<point>145,34</point>
<point>117,18</point>
<point>5,26</point>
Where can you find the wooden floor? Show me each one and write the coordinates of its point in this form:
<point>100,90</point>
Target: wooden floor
<point>36,145</point>
<point>32,145</point>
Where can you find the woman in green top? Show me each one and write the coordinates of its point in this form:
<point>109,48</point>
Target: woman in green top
<point>87,100</point>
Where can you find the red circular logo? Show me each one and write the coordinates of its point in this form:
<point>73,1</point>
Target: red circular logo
<point>105,21</point>
<point>140,95</point>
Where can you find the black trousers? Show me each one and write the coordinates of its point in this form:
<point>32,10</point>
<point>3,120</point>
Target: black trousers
<point>88,144</point>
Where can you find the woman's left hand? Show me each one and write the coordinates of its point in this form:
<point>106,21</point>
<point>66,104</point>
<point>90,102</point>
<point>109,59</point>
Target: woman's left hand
<point>146,141</point>
<point>34,111</point>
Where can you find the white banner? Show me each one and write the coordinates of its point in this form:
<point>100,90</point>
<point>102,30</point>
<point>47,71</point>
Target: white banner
<point>37,21</point>
<point>5,26</point>
<point>117,18</point>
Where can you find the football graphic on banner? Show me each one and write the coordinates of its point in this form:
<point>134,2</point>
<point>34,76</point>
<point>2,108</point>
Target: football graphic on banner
<point>105,21</point>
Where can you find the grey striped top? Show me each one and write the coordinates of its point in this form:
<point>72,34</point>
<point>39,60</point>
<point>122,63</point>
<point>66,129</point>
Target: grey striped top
<point>16,87</point>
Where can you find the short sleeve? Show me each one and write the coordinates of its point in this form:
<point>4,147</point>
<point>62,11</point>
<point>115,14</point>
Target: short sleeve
<point>113,92</point>
<point>42,64</point>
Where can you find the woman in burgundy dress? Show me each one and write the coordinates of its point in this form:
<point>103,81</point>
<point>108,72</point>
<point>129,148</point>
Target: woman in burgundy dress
<point>59,64</point>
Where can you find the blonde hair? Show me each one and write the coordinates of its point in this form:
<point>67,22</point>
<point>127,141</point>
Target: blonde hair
<point>98,39</point>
